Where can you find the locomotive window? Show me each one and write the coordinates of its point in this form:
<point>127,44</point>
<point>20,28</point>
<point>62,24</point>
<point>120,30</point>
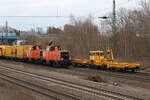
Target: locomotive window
<point>47,49</point>
<point>92,54</point>
<point>52,49</point>
<point>34,48</point>
<point>101,54</point>
<point>40,47</point>
<point>98,54</point>
<point>65,55</point>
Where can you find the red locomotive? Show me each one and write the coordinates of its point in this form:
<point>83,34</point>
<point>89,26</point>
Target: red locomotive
<point>53,55</point>
<point>35,54</point>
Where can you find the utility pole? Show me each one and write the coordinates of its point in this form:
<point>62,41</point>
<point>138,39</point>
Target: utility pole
<point>114,35</point>
<point>2,38</point>
<point>6,32</point>
<point>114,17</point>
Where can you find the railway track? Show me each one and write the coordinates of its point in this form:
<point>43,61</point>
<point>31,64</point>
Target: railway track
<point>35,88</point>
<point>75,86</point>
<point>142,77</point>
<point>137,76</point>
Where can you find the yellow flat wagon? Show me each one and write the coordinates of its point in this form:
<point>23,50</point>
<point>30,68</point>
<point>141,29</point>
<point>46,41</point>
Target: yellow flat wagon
<point>80,62</point>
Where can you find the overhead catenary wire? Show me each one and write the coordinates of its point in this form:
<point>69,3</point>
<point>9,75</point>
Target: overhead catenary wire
<point>57,16</point>
<point>32,16</point>
<point>110,7</point>
<point>47,16</point>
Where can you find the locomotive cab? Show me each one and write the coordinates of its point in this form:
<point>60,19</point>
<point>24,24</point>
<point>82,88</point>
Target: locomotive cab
<point>55,55</point>
<point>96,57</point>
<point>65,55</point>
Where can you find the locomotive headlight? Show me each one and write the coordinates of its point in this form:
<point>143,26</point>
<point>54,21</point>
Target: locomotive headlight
<point>62,58</point>
<point>126,65</point>
<point>43,54</point>
<point>70,58</point>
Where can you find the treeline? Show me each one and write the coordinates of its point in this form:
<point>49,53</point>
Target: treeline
<point>132,34</point>
<point>132,37</point>
<point>81,36</point>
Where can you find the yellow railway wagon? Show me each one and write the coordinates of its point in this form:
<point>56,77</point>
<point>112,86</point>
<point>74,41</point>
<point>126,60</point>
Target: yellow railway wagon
<point>10,51</point>
<point>22,51</point>
<point>2,50</point>
<point>80,62</point>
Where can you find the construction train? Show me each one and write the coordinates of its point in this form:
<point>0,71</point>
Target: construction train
<point>54,55</point>
<point>101,60</point>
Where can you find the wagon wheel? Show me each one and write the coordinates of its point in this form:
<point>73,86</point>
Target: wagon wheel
<point>108,67</point>
<point>74,65</point>
<point>56,64</point>
<point>105,67</point>
<point>133,70</point>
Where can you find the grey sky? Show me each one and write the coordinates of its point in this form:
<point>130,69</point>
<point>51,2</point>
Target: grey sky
<point>49,8</point>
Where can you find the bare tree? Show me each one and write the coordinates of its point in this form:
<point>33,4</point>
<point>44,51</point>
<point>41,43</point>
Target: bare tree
<point>81,36</point>
<point>39,30</point>
<point>133,31</point>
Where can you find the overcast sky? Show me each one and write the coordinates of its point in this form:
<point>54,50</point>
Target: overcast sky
<point>55,7</point>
